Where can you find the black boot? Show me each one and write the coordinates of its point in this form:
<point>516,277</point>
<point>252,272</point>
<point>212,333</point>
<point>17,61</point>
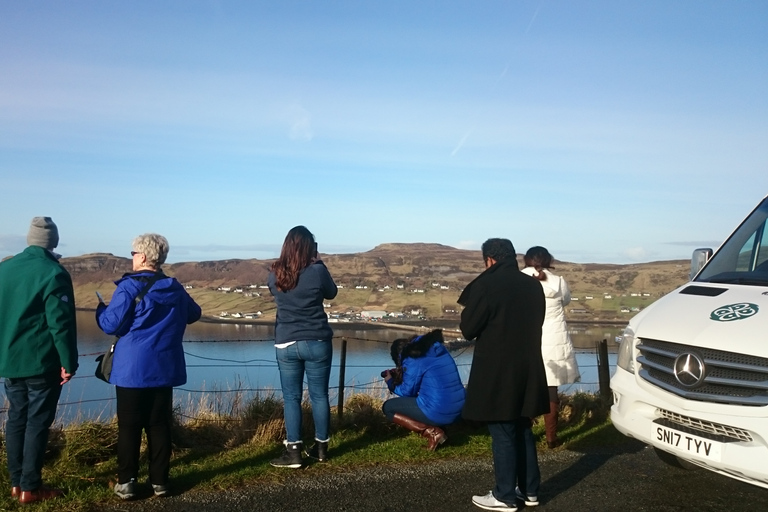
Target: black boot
<point>319,451</point>
<point>291,457</point>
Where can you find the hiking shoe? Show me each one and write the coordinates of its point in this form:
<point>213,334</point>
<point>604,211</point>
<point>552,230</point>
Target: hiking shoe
<point>530,501</point>
<point>319,451</point>
<point>489,502</point>
<point>160,490</point>
<point>126,491</point>
<point>291,457</point>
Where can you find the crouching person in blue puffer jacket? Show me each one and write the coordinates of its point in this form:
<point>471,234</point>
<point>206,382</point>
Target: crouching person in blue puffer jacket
<point>429,389</point>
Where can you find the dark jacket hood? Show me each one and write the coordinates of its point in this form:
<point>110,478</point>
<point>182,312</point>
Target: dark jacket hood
<point>421,345</point>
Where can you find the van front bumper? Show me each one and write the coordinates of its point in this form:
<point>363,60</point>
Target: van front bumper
<point>727,439</point>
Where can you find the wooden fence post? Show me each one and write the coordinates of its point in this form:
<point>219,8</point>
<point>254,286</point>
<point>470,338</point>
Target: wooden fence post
<point>342,372</point>
<point>604,371</point>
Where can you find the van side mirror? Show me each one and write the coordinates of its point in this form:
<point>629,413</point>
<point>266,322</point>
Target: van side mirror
<point>698,260</point>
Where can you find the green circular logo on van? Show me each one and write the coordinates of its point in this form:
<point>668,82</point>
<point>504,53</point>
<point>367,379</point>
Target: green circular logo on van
<point>733,312</point>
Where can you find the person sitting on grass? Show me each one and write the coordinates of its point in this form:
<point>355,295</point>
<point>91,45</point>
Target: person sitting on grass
<point>427,381</point>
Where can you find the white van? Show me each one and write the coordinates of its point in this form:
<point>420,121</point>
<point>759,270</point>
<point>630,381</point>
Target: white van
<point>692,371</point>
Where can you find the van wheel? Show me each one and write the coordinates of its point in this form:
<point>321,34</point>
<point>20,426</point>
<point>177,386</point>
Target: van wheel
<point>674,460</point>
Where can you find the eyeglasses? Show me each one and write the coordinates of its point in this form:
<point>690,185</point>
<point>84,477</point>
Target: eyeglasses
<point>134,253</point>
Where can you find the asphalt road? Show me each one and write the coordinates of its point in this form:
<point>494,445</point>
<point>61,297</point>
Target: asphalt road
<point>627,478</point>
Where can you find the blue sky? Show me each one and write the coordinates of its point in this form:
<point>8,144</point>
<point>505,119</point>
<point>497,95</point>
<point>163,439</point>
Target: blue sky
<point>606,131</point>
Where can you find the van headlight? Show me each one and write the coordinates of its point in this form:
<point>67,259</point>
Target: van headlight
<point>625,360</point>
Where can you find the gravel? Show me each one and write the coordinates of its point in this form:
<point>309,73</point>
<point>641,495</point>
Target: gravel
<point>624,478</point>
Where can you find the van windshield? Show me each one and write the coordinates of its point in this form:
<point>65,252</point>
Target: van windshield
<point>743,258</point>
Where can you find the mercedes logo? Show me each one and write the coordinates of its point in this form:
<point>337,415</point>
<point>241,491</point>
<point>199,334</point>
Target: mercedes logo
<point>689,369</point>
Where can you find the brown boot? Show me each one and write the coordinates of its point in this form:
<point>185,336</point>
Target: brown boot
<point>435,435</point>
<point>41,494</point>
<point>550,425</point>
<point>15,492</point>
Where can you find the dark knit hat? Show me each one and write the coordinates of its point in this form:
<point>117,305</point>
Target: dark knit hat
<point>43,232</point>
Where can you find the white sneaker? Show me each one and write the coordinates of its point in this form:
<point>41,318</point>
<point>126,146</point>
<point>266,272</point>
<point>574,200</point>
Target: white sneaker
<point>126,491</point>
<point>160,490</point>
<point>530,501</point>
<point>489,502</point>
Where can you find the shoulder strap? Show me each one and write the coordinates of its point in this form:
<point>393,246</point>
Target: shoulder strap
<point>151,281</point>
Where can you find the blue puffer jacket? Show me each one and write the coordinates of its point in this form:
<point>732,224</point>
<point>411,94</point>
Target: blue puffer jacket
<point>149,353</point>
<point>434,380</point>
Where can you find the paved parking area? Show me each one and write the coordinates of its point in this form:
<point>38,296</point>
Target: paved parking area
<point>627,478</point>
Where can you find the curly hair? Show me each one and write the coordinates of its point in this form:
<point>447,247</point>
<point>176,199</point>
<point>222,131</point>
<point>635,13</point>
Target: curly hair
<point>500,249</point>
<point>298,252</point>
<point>153,246</point>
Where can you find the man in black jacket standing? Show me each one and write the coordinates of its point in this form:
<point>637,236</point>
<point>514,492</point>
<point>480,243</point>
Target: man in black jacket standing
<point>503,312</point>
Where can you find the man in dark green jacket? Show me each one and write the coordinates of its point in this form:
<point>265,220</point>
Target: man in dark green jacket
<point>38,353</point>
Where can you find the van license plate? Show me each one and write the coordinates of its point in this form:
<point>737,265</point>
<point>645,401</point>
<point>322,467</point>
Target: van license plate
<point>688,444</point>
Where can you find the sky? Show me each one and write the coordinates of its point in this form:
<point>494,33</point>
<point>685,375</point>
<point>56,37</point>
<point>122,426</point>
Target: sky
<point>612,132</point>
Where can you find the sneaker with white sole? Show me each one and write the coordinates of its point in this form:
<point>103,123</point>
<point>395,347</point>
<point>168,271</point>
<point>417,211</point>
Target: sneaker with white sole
<point>291,457</point>
<point>126,491</point>
<point>489,502</point>
<point>530,501</point>
<point>160,490</point>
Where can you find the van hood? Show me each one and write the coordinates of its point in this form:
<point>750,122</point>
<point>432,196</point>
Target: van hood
<point>703,315</point>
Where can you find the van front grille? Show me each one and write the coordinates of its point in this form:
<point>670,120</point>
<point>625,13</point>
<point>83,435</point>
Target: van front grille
<point>707,427</point>
<point>729,377</point>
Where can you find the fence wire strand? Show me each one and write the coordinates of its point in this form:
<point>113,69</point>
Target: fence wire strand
<point>266,363</point>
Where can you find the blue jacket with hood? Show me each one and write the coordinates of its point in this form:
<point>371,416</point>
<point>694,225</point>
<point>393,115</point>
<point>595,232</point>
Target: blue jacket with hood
<point>149,353</point>
<point>430,374</point>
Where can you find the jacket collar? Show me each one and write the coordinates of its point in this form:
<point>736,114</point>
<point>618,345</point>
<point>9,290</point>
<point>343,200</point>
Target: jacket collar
<point>142,275</point>
<point>40,252</point>
<point>499,265</point>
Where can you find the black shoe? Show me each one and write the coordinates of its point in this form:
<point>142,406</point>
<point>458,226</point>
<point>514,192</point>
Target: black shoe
<point>319,451</point>
<point>291,457</point>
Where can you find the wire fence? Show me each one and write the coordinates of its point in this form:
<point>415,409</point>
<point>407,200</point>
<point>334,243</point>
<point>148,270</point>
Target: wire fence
<point>456,349</point>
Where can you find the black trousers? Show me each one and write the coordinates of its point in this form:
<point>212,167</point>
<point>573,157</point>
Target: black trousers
<point>148,409</point>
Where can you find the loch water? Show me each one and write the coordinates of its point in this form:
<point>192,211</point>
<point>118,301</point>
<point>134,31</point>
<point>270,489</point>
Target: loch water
<point>228,361</point>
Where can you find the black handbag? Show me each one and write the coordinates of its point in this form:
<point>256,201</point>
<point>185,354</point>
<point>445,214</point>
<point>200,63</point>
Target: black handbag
<point>104,361</point>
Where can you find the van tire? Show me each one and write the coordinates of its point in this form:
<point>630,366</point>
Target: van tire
<point>674,460</point>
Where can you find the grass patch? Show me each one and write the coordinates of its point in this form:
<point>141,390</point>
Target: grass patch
<point>215,450</point>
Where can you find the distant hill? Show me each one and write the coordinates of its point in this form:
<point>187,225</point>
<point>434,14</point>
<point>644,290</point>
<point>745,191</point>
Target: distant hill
<point>390,277</point>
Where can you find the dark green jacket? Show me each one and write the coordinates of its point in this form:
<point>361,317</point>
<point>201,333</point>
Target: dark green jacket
<point>38,334</point>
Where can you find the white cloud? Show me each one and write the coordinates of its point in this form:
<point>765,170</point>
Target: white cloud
<point>468,244</point>
<point>301,123</point>
<point>637,254</point>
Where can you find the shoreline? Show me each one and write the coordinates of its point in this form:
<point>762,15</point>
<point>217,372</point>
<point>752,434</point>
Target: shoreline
<point>423,326</point>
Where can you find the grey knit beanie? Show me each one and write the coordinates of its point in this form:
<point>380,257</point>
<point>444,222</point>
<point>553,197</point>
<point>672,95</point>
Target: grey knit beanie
<point>43,232</point>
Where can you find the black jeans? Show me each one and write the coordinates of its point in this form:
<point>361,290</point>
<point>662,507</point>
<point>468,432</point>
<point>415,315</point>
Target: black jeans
<point>148,409</point>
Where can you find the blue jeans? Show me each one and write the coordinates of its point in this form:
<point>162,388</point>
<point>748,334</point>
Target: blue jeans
<point>32,409</point>
<point>407,406</point>
<point>514,459</point>
<point>314,357</point>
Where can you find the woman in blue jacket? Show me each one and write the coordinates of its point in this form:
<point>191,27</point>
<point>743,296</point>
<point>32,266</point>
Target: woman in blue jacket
<point>427,381</point>
<point>149,313</point>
